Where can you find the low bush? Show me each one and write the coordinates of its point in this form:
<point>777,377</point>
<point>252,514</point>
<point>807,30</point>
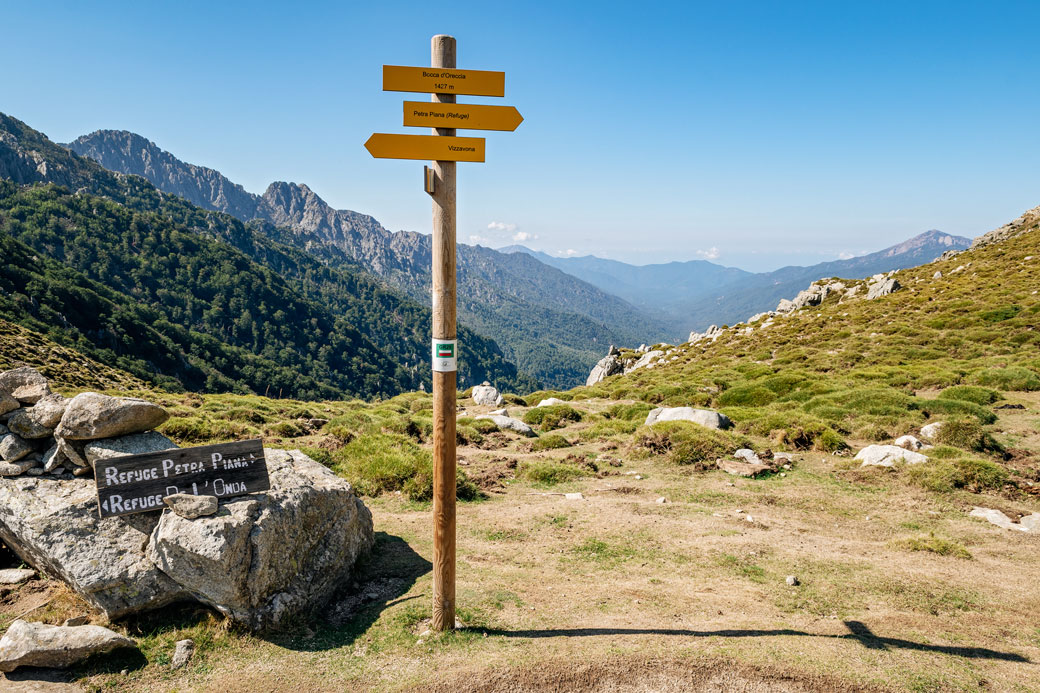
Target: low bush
<point>971,393</point>
<point>944,476</point>
<point>686,443</point>
<point>956,407</point>
<point>628,412</point>
<point>549,473</point>
<point>797,431</point>
<point>607,429</point>
<point>552,417</point>
<point>746,396</point>
<point>967,435</point>
<point>551,441</point>
<point>934,544</point>
<point>1013,378</point>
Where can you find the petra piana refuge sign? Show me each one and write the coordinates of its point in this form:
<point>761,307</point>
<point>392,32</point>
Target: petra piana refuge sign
<point>138,483</point>
<point>444,148</point>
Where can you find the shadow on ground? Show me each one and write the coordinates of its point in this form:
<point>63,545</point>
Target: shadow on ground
<point>858,632</point>
<point>383,577</point>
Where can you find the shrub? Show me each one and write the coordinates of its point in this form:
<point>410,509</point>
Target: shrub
<point>798,431</point>
<point>419,488</point>
<point>549,473</point>
<point>378,462</point>
<point>484,425</point>
<point>958,407</point>
<point>746,396</point>
<point>970,393</point>
<point>686,443</point>
<point>606,429</point>
<point>553,417</point>
<point>287,429</point>
<point>967,435</point>
<point>1012,378</point>
<point>934,544</point>
<point>551,441</point>
<point>628,412</point>
<point>944,476</point>
<point>467,435</point>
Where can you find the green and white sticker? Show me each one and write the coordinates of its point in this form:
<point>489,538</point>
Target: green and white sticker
<point>445,352</point>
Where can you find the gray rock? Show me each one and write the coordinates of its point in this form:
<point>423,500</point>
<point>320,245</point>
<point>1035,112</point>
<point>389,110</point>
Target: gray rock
<point>747,455</point>
<point>182,653</point>
<point>937,275</point>
<point>266,557</point>
<point>499,412</point>
<point>792,581</point>
<point>550,402</point>
<point>52,458</point>
<point>607,366</point>
<point>487,395</point>
<point>13,448</point>
<point>8,403</point>
<point>135,444</point>
<point>53,525</point>
<point>47,412</point>
<point>508,423</point>
<point>702,417</point>
<point>190,506</point>
<point>882,288</point>
<point>73,451</point>
<point>76,621</point>
<point>25,384</point>
<point>999,519</point>
<point>56,647</point>
<point>712,333</point>
<point>90,416</point>
<point>888,455</point>
<point>16,468</point>
<point>23,424</point>
<point>909,442</point>
<point>930,431</point>
<point>13,576</point>
<point>645,360</point>
<point>1031,522</point>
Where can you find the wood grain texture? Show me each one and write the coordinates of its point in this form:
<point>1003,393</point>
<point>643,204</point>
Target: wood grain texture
<point>443,55</point>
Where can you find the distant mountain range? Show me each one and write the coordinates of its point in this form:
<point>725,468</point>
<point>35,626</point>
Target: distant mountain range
<point>695,294</point>
<point>553,325</point>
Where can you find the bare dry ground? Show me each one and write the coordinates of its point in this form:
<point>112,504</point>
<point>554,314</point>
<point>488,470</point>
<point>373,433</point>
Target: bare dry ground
<point>623,591</point>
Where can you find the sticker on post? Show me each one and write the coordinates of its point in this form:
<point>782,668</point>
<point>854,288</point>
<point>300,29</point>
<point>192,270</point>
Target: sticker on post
<point>445,351</point>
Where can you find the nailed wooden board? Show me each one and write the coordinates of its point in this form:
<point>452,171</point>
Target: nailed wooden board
<point>138,483</point>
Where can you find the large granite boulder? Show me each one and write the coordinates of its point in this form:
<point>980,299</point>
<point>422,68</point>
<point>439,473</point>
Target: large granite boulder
<point>262,558</point>
<point>888,455</point>
<point>487,395</point>
<point>508,423</point>
<point>701,417</point>
<point>265,557</point>
<point>90,416</point>
<point>609,365</point>
<point>134,444</point>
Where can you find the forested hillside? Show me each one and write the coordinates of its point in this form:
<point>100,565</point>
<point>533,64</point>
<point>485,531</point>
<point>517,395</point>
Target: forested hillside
<point>195,298</point>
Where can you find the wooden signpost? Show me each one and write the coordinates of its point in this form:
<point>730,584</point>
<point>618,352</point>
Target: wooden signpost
<point>138,483</point>
<point>443,81</point>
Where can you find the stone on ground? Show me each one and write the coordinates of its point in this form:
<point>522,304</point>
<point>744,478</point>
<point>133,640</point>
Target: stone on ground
<point>930,431</point>
<point>182,653</point>
<point>550,401</point>
<point>508,423</point>
<point>909,443</point>
<point>888,455</point>
<point>702,417</point>
<point>999,519</point>
<point>13,448</point>
<point>13,576</point>
<point>607,366</point>
<point>487,395</point>
<point>881,288</point>
<point>743,468</point>
<point>90,416</point>
<point>190,506</point>
<point>57,647</point>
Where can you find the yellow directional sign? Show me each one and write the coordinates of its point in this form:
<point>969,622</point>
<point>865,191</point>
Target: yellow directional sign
<point>440,80</point>
<point>428,147</point>
<point>423,114</point>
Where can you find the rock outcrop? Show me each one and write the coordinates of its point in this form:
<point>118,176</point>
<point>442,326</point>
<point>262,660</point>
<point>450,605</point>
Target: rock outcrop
<point>701,417</point>
<point>508,423</point>
<point>608,365</point>
<point>487,395</point>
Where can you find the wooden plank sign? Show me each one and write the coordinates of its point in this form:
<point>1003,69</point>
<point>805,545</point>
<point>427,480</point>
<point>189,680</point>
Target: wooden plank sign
<point>424,114</point>
<point>138,483</point>
<point>429,147</point>
<point>440,80</point>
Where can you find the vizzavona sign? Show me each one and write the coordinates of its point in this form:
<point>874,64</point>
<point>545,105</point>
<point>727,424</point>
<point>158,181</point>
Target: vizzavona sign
<point>138,483</point>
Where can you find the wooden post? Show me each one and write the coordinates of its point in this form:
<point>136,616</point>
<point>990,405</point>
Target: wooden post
<point>443,55</point>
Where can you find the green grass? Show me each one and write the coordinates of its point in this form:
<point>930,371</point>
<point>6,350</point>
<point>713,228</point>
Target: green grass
<point>934,544</point>
<point>552,417</point>
<point>686,443</point>
<point>945,476</point>
<point>551,441</point>
<point>549,473</point>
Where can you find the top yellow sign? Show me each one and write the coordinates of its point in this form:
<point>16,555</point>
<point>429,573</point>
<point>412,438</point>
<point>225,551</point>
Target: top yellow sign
<point>439,80</point>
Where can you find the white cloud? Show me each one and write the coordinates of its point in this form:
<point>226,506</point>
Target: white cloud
<point>846,255</point>
<point>710,254</point>
<point>570,252</point>
<point>502,226</point>
<point>475,239</point>
<point>521,236</point>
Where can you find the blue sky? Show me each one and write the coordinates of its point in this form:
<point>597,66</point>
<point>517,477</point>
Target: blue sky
<point>753,134</point>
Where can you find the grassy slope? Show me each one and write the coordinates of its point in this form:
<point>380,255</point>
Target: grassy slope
<point>900,589</point>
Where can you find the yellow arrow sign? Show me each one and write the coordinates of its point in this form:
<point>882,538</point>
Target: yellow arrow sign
<point>423,114</point>
<point>440,80</point>
<point>428,147</point>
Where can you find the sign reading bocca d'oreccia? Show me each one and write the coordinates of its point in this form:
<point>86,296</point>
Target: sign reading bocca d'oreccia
<point>138,483</point>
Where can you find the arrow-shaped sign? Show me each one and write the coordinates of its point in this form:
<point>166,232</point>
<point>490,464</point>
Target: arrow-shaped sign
<point>440,80</point>
<point>428,147</point>
<point>423,114</point>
